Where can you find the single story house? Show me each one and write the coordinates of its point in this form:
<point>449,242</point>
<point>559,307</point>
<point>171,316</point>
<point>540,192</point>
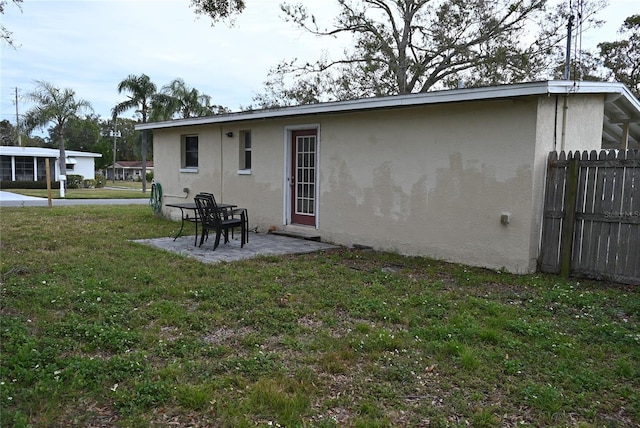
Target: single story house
<point>127,170</point>
<point>28,163</point>
<point>456,175</point>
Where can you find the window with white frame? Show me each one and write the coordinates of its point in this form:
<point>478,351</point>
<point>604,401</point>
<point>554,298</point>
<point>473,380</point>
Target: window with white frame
<point>189,152</point>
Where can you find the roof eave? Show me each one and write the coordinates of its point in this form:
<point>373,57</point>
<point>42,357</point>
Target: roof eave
<point>397,101</point>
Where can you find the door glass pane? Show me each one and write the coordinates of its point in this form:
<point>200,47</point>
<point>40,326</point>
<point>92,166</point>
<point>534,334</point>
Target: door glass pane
<point>305,173</point>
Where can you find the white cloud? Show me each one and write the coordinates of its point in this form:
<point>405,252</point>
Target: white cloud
<point>90,46</point>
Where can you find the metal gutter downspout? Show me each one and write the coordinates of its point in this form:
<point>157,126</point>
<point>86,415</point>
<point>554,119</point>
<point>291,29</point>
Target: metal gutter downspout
<point>565,108</point>
<point>555,126</point>
<point>221,166</point>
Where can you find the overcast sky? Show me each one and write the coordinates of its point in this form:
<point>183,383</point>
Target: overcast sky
<point>91,45</point>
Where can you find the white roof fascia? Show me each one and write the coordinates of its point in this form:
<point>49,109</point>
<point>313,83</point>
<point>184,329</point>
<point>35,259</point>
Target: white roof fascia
<point>28,151</point>
<point>396,101</point>
<point>43,152</point>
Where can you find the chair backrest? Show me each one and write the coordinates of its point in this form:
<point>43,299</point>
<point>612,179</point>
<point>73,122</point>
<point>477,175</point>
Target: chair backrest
<point>207,209</point>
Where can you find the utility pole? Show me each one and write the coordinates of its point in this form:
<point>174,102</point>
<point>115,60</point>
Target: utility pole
<point>115,134</point>
<point>18,136</point>
<point>567,60</point>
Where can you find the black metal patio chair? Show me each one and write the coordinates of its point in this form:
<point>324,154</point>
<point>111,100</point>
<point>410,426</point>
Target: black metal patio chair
<point>212,218</point>
<point>243,213</point>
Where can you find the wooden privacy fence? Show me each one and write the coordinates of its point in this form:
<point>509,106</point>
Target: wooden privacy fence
<point>591,224</point>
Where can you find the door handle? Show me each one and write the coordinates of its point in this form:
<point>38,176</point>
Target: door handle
<point>292,181</point>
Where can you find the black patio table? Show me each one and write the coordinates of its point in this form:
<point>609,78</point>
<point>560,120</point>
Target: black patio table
<point>185,207</point>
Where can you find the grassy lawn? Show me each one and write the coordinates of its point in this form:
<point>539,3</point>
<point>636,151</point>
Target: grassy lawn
<point>99,331</point>
<point>127,184</point>
<point>117,190</point>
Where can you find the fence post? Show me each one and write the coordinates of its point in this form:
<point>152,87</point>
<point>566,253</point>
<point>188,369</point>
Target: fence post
<point>569,218</point>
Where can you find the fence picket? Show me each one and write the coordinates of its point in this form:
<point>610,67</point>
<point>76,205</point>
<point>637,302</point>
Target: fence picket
<point>621,202</point>
<point>607,247</point>
<point>569,217</point>
<point>552,221</point>
<point>588,241</point>
<point>633,260</point>
<point>581,197</point>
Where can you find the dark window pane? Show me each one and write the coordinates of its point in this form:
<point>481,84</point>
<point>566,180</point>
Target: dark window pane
<point>191,151</point>
<point>24,168</point>
<point>5,168</point>
<point>42,172</point>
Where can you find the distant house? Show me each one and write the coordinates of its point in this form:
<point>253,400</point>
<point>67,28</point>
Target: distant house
<point>457,175</point>
<point>28,163</point>
<point>128,170</point>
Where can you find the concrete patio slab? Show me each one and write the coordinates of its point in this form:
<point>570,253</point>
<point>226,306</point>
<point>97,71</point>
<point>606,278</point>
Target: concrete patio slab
<point>259,244</point>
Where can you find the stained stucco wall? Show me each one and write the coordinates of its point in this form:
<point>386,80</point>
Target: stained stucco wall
<point>433,181</point>
<point>429,180</point>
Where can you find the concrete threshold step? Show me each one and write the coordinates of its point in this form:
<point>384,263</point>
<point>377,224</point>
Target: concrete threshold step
<point>299,235</point>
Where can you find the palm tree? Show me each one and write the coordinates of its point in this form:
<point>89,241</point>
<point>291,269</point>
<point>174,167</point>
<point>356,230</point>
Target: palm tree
<point>187,102</point>
<point>58,107</point>
<point>142,94</point>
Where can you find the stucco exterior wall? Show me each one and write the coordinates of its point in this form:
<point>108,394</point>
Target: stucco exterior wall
<point>167,165</point>
<point>261,192</point>
<point>428,180</point>
<point>433,181</point>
